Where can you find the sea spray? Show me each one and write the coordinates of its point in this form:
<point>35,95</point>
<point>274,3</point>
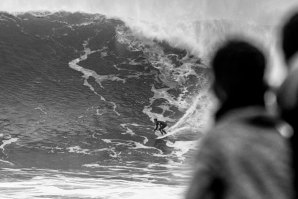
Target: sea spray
<point>195,25</point>
<point>196,118</point>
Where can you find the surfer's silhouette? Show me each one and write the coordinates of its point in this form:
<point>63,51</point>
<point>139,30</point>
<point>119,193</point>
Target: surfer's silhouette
<point>160,125</point>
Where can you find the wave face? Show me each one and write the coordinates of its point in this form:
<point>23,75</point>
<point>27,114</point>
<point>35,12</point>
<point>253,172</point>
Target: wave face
<point>195,25</point>
<point>79,93</point>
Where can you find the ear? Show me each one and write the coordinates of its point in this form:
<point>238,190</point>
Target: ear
<point>219,92</point>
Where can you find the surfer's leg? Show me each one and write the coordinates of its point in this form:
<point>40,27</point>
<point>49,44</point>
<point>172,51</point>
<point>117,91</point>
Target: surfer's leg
<point>162,130</point>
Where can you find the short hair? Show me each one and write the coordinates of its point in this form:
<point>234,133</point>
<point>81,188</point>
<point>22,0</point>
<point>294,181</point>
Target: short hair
<point>239,69</point>
<point>290,37</point>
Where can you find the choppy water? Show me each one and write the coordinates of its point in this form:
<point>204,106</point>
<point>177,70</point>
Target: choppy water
<point>78,95</point>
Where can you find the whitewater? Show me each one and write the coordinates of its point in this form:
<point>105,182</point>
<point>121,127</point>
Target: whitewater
<point>78,112</point>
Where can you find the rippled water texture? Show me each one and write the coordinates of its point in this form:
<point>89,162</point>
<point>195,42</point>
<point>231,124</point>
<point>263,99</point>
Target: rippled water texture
<point>78,95</point>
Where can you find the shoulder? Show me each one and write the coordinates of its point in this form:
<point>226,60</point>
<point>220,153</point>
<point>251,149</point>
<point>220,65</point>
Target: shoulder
<point>287,95</point>
<point>212,141</point>
<point>234,136</point>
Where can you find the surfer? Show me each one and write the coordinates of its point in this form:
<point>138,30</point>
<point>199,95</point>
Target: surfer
<point>160,125</point>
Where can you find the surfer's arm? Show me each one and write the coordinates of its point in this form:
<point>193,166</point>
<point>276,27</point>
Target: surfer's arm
<point>156,127</point>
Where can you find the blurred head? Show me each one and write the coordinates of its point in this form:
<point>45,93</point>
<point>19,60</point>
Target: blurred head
<point>238,69</point>
<point>290,37</point>
<point>155,120</point>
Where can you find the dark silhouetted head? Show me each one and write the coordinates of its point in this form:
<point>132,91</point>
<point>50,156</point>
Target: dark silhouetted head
<point>155,120</point>
<point>290,37</point>
<point>239,68</point>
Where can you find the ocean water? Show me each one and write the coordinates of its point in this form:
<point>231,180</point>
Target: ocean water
<point>78,95</point>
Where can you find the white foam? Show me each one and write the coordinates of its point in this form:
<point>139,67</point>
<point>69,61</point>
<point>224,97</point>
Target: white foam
<point>169,74</point>
<point>41,108</point>
<point>182,147</point>
<point>128,130</point>
<point>78,149</point>
<point>141,146</point>
<point>68,187</point>
<point>114,108</point>
<point>107,140</point>
<point>7,142</point>
<point>198,114</point>
<point>93,165</point>
<point>145,139</point>
<point>134,124</point>
<point>131,144</point>
<point>90,73</point>
<point>6,162</point>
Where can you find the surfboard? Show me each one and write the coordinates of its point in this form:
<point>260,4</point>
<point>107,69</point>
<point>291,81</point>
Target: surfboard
<point>163,136</point>
<point>166,135</point>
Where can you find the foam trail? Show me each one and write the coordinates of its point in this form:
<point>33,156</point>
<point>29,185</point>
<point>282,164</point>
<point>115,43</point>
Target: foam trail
<point>131,144</point>
<point>90,73</point>
<point>182,147</point>
<point>7,142</point>
<point>128,130</point>
<point>6,162</point>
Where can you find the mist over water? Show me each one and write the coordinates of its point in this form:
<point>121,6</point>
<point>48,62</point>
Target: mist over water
<point>196,25</point>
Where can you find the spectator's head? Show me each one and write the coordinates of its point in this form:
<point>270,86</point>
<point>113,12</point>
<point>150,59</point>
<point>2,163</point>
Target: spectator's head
<point>290,37</point>
<point>239,68</point>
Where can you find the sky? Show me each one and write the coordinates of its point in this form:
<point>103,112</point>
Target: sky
<point>259,10</point>
<point>192,24</point>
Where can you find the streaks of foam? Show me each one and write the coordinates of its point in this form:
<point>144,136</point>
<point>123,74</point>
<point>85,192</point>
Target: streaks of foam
<point>78,149</point>
<point>134,124</point>
<point>6,162</point>
<point>114,153</point>
<point>145,139</point>
<point>87,72</point>
<point>170,75</point>
<point>130,144</point>
<point>182,147</point>
<point>114,108</point>
<point>160,94</point>
<point>138,145</point>
<point>90,73</point>
<point>42,109</point>
<point>7,142</point>
<point>197,115</point>
<point>54,184</point>
<point>143,170</point>
<point>128,130</point>
<point>139,174</point>
<point>4,143</point>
